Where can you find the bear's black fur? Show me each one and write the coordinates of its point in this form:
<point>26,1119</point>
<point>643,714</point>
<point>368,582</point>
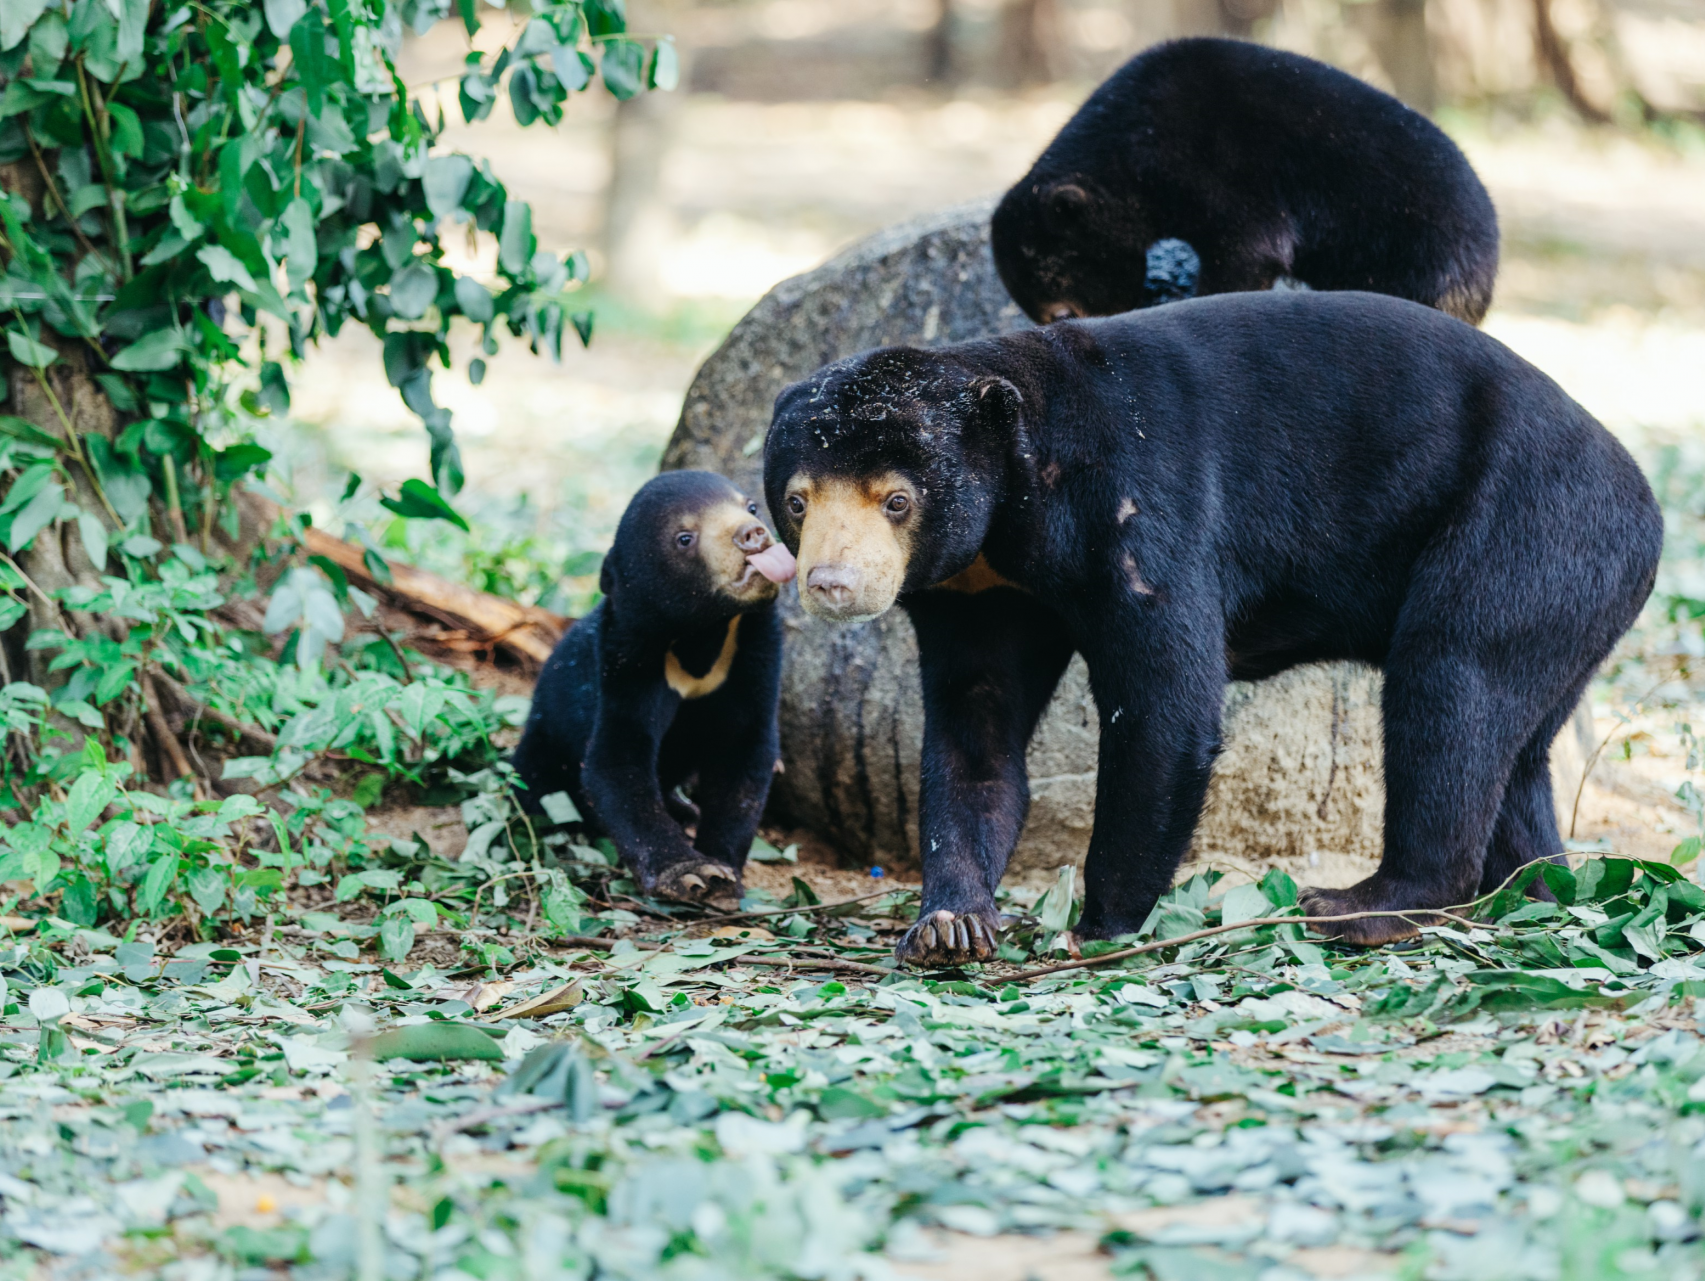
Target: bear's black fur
<point>1270,165</point>
<point>672,679</point>
<point>1220,488</point>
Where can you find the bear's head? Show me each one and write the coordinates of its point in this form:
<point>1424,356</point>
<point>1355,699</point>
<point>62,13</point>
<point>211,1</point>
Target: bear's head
<point>883,472</point>
<point>1066,248</point>
<point>691,547</point>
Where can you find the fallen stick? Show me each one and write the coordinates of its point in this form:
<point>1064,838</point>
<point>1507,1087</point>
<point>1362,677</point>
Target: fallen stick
<point>168,741</point>
<point>789,911</point>
<point>526,629</point>
<point>1025,976</point>
<point>195,709</point>
<point>486,1115</point>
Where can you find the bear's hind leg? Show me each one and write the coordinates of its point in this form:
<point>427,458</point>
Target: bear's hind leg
<point>1526,830</point>
<point>1452,734</point>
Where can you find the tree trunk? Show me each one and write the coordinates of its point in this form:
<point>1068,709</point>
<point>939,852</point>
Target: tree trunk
<point>938,47</point>
<point>1554,61</point>
<point>1405,51</point>
<point>1029,42</point>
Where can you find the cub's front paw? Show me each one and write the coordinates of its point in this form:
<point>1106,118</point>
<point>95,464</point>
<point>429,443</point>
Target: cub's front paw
<point>948,938</point>
<point>702,881</point>
<point>1371,931</point>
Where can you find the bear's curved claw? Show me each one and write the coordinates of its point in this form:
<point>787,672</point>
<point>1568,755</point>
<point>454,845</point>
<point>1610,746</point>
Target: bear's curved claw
<point>708,883</point>
<point>946,938</point>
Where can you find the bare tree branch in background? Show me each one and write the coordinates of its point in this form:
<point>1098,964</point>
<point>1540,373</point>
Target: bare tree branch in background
<point>1029,42</point>
<point>938,46</point>
<point>1553,56</point>
<point>1404,48</point>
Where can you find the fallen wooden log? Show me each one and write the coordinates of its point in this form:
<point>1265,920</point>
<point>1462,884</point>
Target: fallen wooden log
<point>526,630</point>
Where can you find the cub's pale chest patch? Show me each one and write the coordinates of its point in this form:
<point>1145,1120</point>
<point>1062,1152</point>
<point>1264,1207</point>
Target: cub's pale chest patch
<point>689,686</point>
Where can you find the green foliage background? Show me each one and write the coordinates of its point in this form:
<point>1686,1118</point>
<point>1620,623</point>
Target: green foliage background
<point>192,194</point>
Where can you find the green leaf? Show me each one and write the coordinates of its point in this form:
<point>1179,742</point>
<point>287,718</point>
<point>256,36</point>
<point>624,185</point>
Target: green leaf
<point>282,15</point>
<point>30,483</point>
<point>624,67</point>
<point>444,181</point>
<point>94,534</point>
<point>89,795</point>
<point>572,67</point>
<point>125,483</point>
<point>155,352</point>
<point>27,351</point>
<point>837,1103</point>
<point>605,17</point>
<point>1278,888</point>
<point>22,429</point>
<point>559,808</point>
<point>665,71</point>
<point>376,567</point>
<point>414,288</point>
<point>157,883</point>
<point>207,887</point>
<point>420,501</point>
<point>126,130</point>
<point>40,512</point>
<point>396,938</point>
<point>436,1042</point>
<point>300,246</point>
<point>16,19</point>
<point>1244,903</point>
<point>515,244</point>
<point>1053,910</point>
<point>474,299</point>
<point>225,266</point>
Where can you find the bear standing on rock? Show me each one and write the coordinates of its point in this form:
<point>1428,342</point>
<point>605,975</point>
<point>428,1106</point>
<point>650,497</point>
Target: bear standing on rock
<point>1271,166</point>
<point>672,679</point>
<point>1220,489</point>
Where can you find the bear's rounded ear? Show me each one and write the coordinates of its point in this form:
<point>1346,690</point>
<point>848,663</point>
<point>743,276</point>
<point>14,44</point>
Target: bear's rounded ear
<point>998,401</point>
<point>607,576</point>
<point>1067,202</point>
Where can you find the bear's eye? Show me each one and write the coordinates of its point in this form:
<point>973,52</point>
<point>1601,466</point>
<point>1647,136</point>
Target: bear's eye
<point>752,507</point>
<point>686,538</point>
<point>796,505</point>
<point>897,505</point>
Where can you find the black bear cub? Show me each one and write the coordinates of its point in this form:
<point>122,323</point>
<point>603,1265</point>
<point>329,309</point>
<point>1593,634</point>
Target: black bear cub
<point>1217,490</point>
<point>672,680</point>
<point>1271,166</point>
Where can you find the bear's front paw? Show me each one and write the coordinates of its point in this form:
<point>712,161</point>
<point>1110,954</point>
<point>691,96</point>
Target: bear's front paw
<point>947,938</point>
<point>700,881</point>
<point>1371,931</point>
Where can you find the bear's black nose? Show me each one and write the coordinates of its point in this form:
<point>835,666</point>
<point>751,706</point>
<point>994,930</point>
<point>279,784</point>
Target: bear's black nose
<point>752,537</point>
<point>835,585</point>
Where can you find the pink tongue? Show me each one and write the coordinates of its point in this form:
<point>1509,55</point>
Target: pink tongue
<point>775,563</point>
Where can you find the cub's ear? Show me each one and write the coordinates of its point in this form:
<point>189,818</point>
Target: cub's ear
<point>607,576</point>
<point>1067,202</point>
<point>998,402</point>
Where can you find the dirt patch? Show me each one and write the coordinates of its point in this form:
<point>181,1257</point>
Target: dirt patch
<point>1065,1256</point>
<point>257,1200</point>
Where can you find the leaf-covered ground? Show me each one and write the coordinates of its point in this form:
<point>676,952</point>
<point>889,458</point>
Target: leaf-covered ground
<point>764,1097</point>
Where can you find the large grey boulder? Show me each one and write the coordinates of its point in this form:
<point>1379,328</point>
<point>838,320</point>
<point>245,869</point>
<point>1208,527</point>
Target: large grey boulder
<point>1299,785</point>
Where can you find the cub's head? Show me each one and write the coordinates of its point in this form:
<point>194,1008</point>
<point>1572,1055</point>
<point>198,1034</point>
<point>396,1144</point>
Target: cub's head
<point>882,473</point>
<point>690,545</point>
<point>1065,248</point>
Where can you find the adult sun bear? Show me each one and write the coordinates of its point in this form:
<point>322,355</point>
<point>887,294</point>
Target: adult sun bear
<point>673,678</point>
<point>1270,165</point>
<point>1215,490</point>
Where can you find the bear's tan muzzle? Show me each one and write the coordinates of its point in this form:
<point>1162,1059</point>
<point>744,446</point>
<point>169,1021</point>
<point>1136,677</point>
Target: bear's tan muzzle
<point>852,558</point>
